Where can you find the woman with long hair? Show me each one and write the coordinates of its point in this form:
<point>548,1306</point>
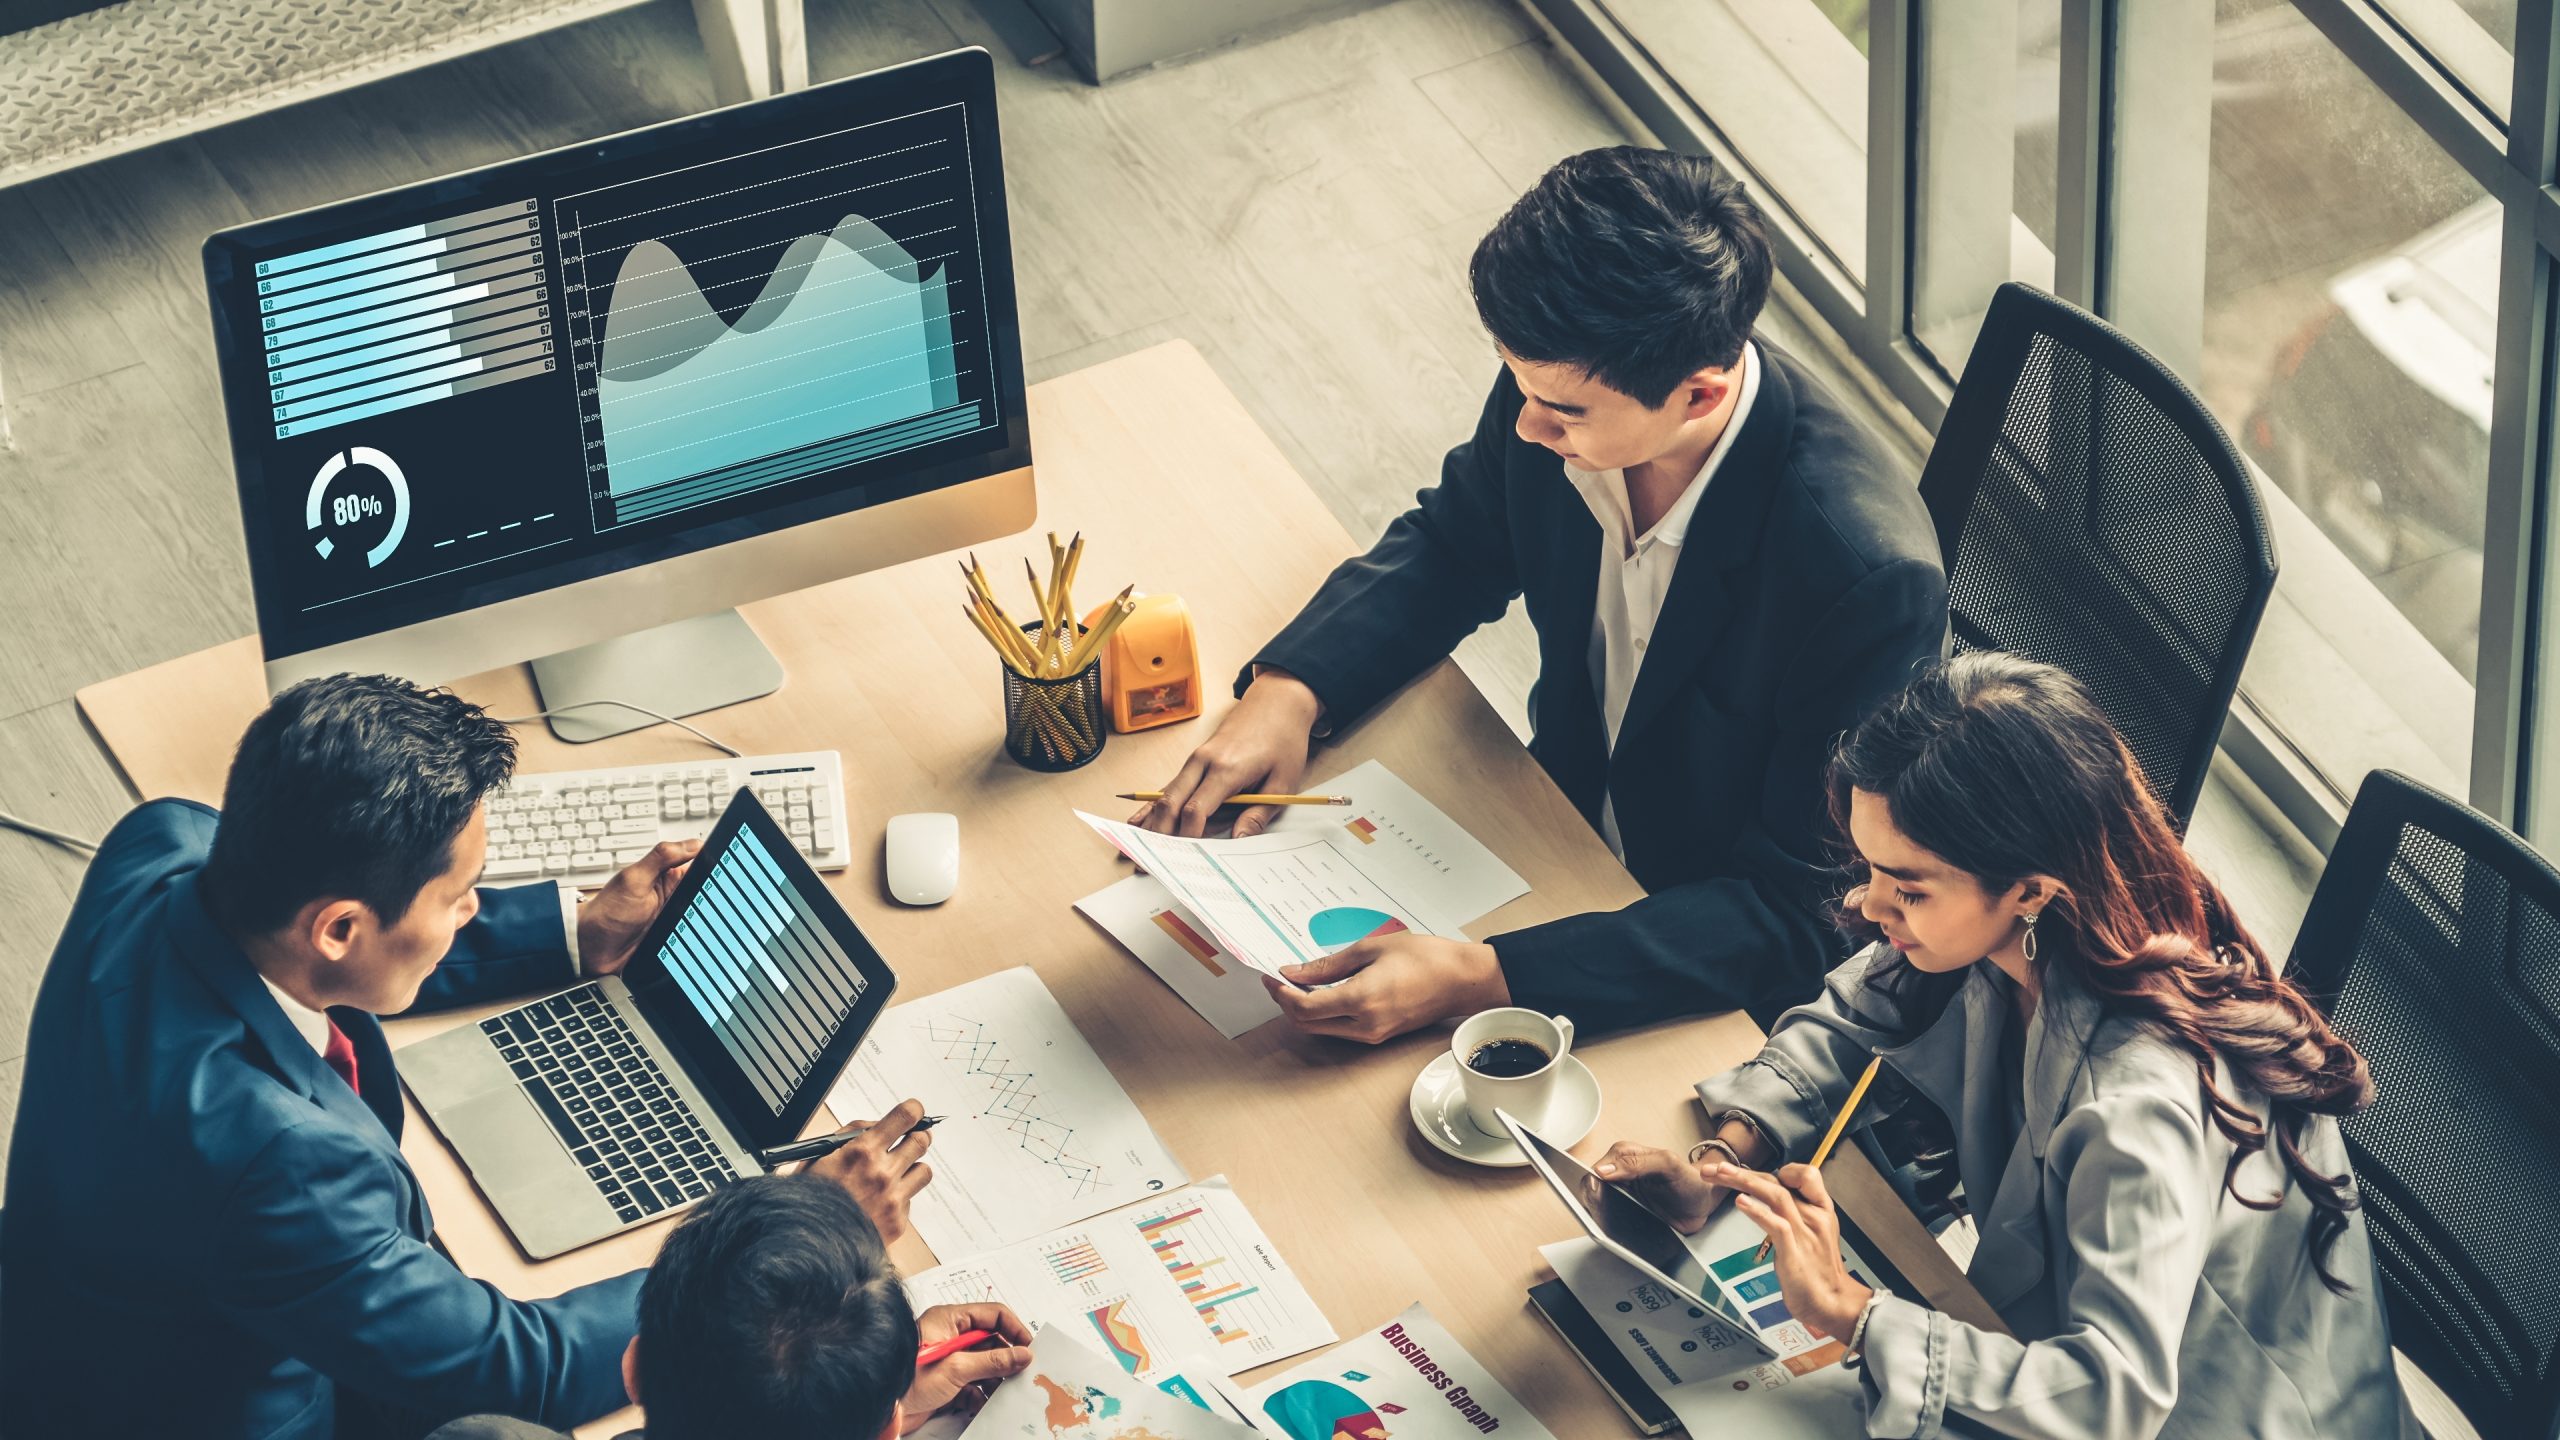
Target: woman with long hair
<point>2144,1107</point>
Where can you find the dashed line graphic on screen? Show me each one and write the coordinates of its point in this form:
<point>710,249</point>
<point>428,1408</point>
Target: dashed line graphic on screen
<point>1015,1100</point>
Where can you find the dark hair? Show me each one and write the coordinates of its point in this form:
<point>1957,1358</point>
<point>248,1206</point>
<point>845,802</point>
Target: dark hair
<point>1638,267</point>
<point>773,1311</point>
<point>2005,768</point>
<point>349,787</point>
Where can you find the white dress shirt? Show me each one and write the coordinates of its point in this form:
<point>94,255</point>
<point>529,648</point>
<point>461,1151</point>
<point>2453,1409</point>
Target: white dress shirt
<point>313,1026</point>
<point>307,1022</point>
<point>1635,574</point>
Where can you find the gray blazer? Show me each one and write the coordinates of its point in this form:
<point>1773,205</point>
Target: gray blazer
<point>2145,1300</point>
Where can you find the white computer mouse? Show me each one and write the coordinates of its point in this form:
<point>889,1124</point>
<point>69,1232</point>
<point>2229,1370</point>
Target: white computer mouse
<point>923,854</point>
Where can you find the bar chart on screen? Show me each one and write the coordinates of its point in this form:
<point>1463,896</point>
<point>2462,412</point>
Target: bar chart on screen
<point>368,326</point>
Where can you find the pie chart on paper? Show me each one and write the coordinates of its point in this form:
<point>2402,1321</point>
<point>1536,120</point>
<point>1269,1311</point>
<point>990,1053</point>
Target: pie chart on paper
<point>1343,924</point>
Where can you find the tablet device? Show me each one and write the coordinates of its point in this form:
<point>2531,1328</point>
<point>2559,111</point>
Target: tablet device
<point>1622,1225</point>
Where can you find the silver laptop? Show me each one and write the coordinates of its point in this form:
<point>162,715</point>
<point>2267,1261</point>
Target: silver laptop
<point>621,1099</point>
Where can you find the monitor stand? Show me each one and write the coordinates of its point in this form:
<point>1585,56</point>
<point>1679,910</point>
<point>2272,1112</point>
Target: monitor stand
<point>681,669</point>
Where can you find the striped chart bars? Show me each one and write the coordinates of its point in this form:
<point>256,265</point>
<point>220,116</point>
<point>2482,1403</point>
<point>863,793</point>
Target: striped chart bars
<point>1073,1262</point>
<point>762,969</point>
<point>372,325</point>
<point>1202,1281</point>
<point>1193,943</point>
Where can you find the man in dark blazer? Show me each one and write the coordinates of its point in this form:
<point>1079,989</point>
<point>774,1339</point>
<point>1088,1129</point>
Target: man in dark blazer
<point>1724,569</point>
<point>211,1230</point>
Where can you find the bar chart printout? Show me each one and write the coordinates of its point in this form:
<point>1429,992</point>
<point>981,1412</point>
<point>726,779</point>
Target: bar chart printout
<point>1226,1274</point>
<point>1185,1280</point>
<point>1202,1278</point>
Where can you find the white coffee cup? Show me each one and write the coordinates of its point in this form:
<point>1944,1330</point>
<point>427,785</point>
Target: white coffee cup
<point>1525,1096</point>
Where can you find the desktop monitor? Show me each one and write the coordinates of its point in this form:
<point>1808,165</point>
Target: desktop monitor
<point>572,408</point>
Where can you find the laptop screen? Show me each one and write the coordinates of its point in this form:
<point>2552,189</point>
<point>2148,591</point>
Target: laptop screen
<point>758,977</point>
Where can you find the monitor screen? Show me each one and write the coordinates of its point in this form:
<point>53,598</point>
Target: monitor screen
<point>479,387</point>
<point>758,977</point>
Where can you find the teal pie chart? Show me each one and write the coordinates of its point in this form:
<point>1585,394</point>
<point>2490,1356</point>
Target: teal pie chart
<point>1343,924</point>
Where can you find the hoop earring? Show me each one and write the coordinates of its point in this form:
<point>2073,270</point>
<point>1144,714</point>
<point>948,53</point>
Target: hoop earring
<point>2027,946</point>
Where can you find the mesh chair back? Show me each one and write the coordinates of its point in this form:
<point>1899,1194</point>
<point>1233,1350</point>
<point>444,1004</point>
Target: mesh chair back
<point>2094,516</point>
<point>2434,940</point>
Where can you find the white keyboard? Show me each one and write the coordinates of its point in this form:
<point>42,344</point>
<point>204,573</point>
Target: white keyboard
<point>580,826</point>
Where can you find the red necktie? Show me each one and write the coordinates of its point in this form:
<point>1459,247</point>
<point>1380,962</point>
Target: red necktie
<point>341,1056</point>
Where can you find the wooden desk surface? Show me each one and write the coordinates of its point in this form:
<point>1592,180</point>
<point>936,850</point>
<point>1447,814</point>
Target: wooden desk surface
<point>1177,489</point>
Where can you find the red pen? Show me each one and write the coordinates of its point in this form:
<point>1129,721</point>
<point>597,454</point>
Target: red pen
<point>944,1349</point>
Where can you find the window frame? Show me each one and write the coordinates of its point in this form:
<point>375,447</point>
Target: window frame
<point>2119,59</point>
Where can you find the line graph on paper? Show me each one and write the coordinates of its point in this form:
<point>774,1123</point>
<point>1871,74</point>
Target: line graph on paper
<point>1035,1133</point>
<point>1013,1098</point>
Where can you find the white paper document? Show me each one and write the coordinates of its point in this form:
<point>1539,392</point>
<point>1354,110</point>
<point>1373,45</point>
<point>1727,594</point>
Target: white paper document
<point>1187,1277</point>
<point>1409,1379</point>
<point>1035,1132</point>
<point>1149,923</point>
<point>1322,876</point>
<point>1071,1393</point>
<point>1805,1394</point>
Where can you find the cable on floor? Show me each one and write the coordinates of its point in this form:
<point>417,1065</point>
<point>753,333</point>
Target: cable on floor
<point>47,832</point>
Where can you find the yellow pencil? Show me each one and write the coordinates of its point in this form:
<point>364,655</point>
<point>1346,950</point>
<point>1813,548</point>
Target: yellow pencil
<point>1091,645</point>
<point>1007,653</point>
<point>1839,1125</point>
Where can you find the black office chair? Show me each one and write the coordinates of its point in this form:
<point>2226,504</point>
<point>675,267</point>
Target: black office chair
<point>2434,941</point>
<point>2094,516</point>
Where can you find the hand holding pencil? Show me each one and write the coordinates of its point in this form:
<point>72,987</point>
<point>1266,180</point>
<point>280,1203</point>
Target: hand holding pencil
<point>1793,1205</point>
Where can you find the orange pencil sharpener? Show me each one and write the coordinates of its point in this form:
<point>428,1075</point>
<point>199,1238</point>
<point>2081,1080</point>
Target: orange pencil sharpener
<point>1151,665</point>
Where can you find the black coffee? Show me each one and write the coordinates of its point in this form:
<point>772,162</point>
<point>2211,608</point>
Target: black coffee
<point>1508,1059</point>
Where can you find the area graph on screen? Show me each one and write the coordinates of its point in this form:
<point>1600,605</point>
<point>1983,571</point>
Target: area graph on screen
<point>750,322</point>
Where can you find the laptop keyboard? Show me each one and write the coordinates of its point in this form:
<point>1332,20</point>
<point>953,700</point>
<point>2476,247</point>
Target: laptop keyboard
<point>613,1107</point>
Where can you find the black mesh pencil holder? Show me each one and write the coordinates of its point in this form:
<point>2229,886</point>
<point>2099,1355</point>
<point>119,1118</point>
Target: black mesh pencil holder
<point>1055,724</point>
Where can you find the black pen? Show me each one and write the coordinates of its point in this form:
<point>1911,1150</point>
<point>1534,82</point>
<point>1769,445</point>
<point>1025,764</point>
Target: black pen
<point>826,1144</point>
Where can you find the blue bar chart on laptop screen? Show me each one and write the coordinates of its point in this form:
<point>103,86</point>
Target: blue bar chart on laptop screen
<point>741,324</point>
<point>762,969</point>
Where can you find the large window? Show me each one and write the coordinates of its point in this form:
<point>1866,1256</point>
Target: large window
<point>1982,166</point>
<point>2350,302</point>
<point>2304,207</point>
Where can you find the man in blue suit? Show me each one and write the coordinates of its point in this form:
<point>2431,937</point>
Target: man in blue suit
<point>211,1230</point>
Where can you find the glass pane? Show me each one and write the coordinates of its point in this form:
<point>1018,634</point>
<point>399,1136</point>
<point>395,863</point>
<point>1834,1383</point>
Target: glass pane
<point>1990,78</point>
<point>1785,82</point>
<point>2472,41</point>
<point>2351,288</point>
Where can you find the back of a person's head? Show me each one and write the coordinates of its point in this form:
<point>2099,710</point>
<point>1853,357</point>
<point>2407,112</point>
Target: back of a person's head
<point>1638,267</point>
<point>349,787</point>
<point>773,1312</point>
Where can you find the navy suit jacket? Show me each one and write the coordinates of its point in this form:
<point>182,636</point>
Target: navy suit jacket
<point>209,1234</point>
<point>1807,591</point>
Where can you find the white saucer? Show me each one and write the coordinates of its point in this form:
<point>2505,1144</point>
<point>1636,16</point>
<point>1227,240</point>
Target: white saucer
<point>1440,1113</point>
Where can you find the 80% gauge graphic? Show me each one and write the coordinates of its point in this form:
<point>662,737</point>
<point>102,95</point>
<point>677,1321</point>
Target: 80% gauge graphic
<point>349,498</point>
